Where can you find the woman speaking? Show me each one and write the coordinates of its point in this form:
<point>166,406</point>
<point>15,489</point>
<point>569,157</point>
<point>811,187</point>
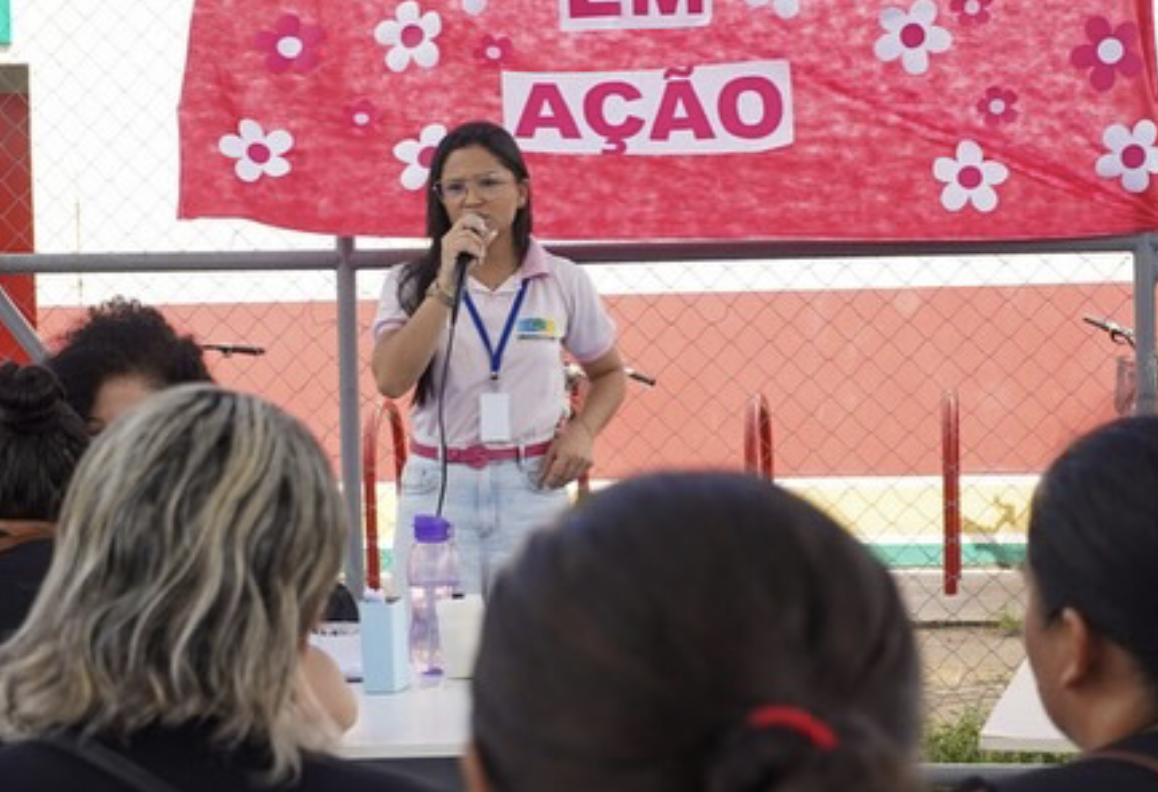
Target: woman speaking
<point>490,397</point>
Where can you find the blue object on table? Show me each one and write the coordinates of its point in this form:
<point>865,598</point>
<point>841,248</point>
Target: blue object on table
<point>385,653</point>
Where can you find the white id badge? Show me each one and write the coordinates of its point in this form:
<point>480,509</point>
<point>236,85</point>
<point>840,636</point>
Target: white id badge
<point>494,411</point>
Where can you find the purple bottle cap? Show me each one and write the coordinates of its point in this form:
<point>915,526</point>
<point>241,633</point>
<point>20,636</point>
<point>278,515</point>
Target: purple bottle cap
<point>430,528</point>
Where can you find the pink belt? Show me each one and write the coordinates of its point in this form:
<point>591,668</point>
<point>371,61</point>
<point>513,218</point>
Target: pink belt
<point>479,456</point>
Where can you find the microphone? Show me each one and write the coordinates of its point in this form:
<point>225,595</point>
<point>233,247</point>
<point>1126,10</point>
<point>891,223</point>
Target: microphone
<point>643,379</point>
<point>1118,334</point>
<point>462,263</point>
<point>234,349</point>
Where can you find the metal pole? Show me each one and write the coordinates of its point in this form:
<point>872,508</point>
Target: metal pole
<point>348,403</point>
<point>21,330</point>
<point>1144,278</point>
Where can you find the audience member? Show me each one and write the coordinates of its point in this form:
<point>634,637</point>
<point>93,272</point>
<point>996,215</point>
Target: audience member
<point>41,441</point>
<point>1090,626</point>
<point>196,548</point>
<point>701,632</point>
<point>122,353</point>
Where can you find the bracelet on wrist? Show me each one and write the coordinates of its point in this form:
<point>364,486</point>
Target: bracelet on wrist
<point>436,291</point>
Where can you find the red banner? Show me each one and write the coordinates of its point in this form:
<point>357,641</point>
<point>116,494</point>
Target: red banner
<point>708,119</point>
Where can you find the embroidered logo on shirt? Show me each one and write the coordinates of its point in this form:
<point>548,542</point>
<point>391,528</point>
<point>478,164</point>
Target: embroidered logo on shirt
<point>533,328</point>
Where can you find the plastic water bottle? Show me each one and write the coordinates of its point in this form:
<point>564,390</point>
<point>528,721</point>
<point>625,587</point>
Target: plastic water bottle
<point>433,574</point>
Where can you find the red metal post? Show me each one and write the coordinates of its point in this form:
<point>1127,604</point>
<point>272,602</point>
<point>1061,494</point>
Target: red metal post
<point>758,437</point>
<point>370,479</point>
<point>951,483</point>
<point>16,196</point>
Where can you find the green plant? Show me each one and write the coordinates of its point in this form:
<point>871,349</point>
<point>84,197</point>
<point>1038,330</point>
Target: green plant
<point>1009,624</point>
<point>958,742</point>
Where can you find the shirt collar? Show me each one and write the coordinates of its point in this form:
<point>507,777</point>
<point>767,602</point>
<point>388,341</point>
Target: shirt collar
<point>535,262</point>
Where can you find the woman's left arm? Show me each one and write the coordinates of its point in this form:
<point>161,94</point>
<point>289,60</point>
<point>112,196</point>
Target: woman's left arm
<point>323,689</point>
<point>572,453</point>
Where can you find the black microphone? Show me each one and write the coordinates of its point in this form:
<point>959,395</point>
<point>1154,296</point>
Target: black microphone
<point>1118,334</point>
<point>462,263</point>
<point>640,377</point>
<point>234,349</point>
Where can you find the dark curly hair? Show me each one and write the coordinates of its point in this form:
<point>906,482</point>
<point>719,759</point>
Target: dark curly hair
<point>41,441</point>
<point>123,337</point>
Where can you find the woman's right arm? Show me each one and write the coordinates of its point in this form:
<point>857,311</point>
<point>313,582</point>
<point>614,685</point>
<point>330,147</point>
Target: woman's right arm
<point>402,354</point>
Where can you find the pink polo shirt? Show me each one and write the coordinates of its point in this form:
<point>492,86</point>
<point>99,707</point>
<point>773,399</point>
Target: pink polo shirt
<point>561,310</point>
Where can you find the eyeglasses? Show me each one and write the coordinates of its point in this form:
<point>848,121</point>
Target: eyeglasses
<point>485,187</point>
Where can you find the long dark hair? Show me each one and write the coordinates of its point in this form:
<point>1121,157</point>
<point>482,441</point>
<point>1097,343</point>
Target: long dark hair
<point>1093,536</point>
<point>419,274</point>
<point>41,442</point>
<point>625,648</point>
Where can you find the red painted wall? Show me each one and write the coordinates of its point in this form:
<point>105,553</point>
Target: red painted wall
<point>854,378</point>
<point>15,195</point>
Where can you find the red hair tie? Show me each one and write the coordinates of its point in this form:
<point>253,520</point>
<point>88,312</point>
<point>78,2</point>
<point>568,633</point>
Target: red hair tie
<point>794,719</point>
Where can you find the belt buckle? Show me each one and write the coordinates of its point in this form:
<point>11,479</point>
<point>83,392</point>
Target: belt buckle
<point>475,457</point>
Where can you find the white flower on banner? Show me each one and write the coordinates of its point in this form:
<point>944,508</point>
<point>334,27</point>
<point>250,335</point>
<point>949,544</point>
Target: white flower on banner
<point>418,155</point>
<point>410,37</point>
<point>257,153</point>
<point>969,178</point>
<point>474,7</point>
<point>785,9</point>
<point>911,36</point>
<point>1132,156</point>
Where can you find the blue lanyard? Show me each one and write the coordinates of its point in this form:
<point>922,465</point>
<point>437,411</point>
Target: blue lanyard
<point>496,354</point>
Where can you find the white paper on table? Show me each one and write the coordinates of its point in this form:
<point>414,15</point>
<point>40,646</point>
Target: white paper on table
<point>343,642</point>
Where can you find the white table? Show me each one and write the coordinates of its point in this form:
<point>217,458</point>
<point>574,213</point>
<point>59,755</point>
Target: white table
<point>1018,722</point>
<point>426,723</point>
<point>416,723</point>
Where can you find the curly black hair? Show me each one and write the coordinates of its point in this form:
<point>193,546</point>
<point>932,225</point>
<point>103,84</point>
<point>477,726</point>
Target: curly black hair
<point>124,337</point>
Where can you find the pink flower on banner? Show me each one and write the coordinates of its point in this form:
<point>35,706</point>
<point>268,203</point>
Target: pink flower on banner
<point>971,12</point>
<point>418,155</point>
<point>290,45</point>
<point>361,115</point>
<point>494,51</point>
<point>1132,156</point>
<point>410,37</point>
<point>969,178</point>
<point>911,36</point>
<point>785,9</point>
<point>257,153</point>
<point>997,106</point>
<point>1110,50</point>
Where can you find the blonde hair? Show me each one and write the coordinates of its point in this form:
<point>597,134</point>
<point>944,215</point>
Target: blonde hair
<point>196,547</point>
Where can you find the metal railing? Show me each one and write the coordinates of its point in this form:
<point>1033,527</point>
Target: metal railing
<point>345,261</point>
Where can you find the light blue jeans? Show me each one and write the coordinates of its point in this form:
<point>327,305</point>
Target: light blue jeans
<point>491,511</point>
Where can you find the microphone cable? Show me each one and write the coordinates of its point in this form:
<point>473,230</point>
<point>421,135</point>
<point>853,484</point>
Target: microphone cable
<point>462,265</point>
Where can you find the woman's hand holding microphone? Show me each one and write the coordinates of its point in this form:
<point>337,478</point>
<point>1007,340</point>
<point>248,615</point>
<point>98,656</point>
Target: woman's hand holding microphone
<point>470,236</point>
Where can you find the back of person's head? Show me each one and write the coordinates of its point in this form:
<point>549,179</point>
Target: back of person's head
<point>121,338</point>
<point>1093,537</point>
<point>197,546</point>
<point>41,441</point>
<point>697,631</point>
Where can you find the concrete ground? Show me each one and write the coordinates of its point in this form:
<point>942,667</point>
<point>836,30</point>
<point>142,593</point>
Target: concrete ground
<point>970,642</point>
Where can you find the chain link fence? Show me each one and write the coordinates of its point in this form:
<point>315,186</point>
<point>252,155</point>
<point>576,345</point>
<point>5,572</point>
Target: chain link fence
<point>854,355</point>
